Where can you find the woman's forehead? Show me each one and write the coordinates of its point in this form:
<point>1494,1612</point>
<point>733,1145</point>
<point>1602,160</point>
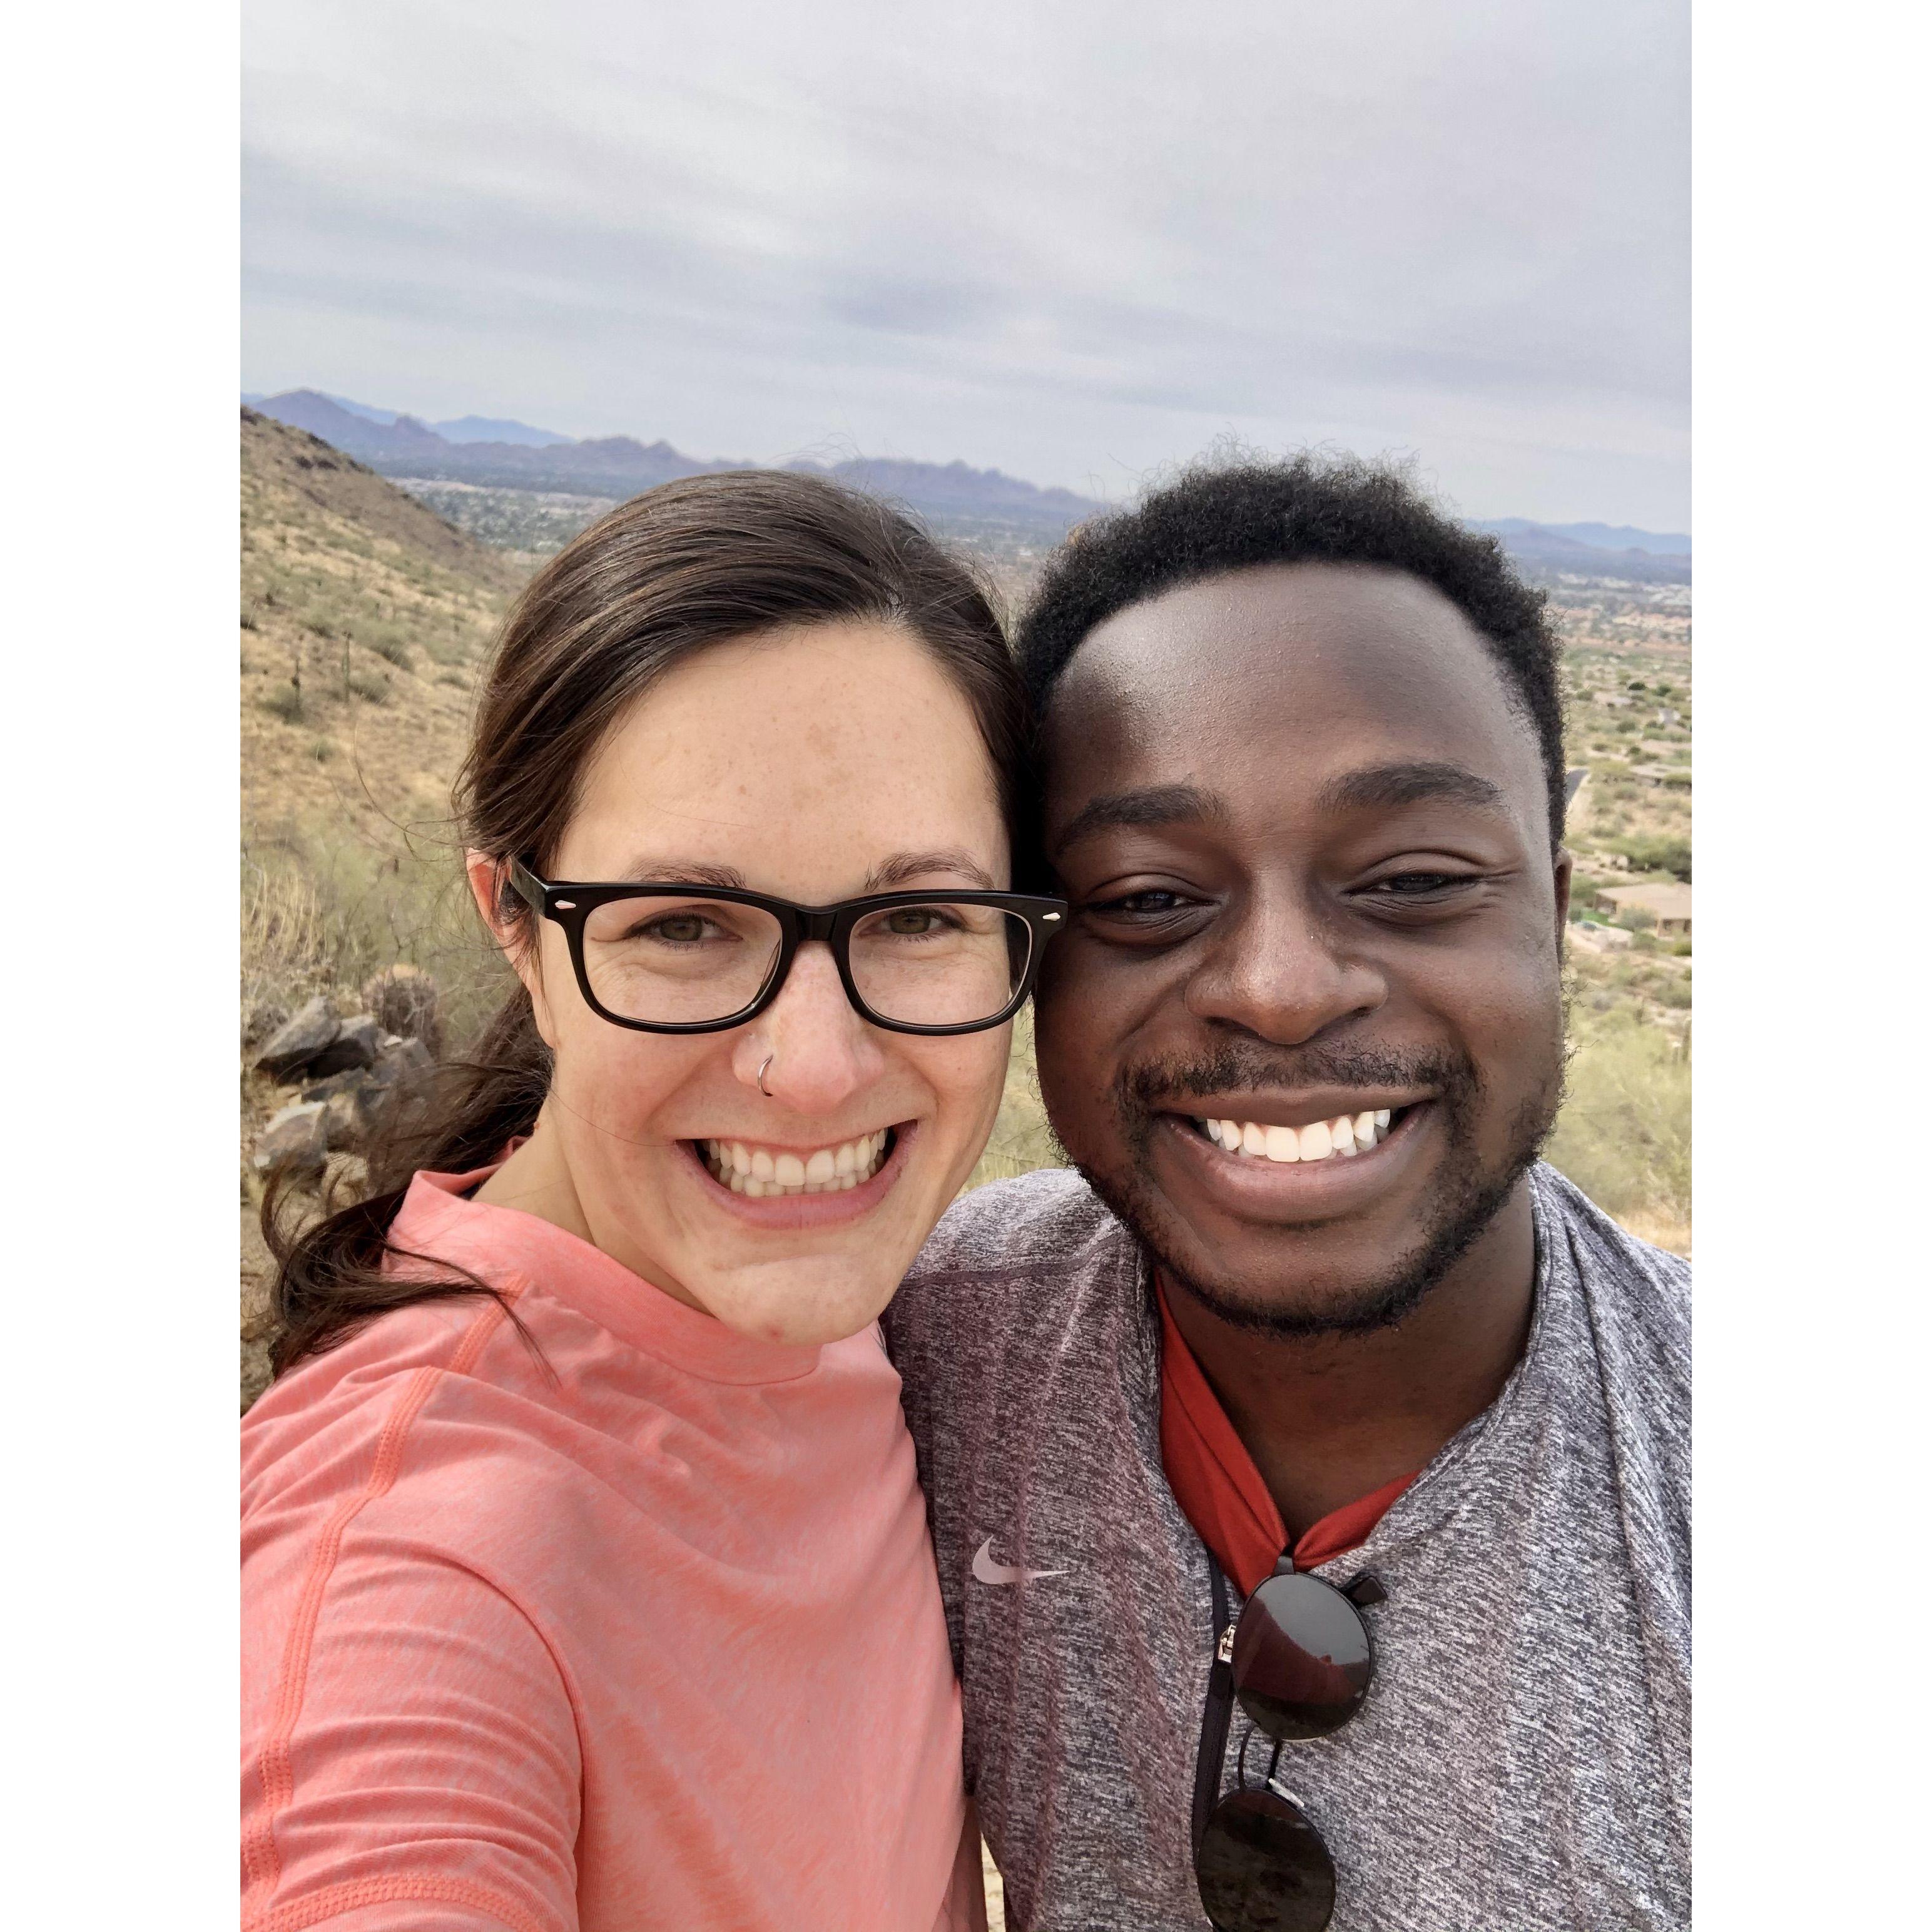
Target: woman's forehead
<point>850,739</point>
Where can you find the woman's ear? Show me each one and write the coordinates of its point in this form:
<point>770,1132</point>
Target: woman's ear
<point>511,925</point>
<point>490,886</point>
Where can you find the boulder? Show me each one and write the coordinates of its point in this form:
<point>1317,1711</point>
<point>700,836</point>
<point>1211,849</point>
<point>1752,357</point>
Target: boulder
<point>296,1139</point>
<point>402,1071</point>
<point>345,1115</point>
<point>260,1023</point>
<point>296,1044</point>
<point>405,1001</point>
<point>356,1043</point>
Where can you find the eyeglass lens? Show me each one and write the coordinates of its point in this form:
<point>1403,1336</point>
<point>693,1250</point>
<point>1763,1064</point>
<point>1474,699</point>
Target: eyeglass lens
<point>680,961</point>
<point>1302,1662</point>
<point>1262,1866</point>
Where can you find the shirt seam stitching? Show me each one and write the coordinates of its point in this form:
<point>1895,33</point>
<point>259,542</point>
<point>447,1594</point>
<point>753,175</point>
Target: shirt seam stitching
<point>261,1856</point>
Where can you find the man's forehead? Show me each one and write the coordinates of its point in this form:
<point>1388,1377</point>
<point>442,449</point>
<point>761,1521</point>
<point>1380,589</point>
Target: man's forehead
<point>1328,666</point>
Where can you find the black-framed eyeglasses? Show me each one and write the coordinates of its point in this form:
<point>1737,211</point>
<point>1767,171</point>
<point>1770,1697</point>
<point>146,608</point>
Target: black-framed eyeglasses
<point>1299,1662</point>
<point>686,958</point>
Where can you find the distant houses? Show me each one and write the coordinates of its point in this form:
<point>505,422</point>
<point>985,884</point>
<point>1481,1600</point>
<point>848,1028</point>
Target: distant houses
<point>1668,903</point>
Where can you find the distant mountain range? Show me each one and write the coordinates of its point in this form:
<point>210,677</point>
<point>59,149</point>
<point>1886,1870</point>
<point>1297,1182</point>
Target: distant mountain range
<point>500,453</point>
<point>458,429</point>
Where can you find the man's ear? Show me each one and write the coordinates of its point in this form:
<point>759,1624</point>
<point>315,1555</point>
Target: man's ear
<point>1566,866</point>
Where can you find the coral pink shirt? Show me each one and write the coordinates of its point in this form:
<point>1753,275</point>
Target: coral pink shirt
<point>652,1638</point>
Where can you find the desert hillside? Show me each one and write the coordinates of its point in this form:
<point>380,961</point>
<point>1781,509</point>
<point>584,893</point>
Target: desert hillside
<point>364,621</point>
<point>365,617</point>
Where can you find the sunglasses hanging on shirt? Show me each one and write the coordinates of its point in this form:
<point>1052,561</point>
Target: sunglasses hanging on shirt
<point>1298,1661</point>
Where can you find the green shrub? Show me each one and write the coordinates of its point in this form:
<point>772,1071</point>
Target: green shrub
<point>1624,1135</point>
<point>371,690</point>
<point>332,909</point>
<point>390,643</point>
<point>285,702</point>
<point>1656,852</point>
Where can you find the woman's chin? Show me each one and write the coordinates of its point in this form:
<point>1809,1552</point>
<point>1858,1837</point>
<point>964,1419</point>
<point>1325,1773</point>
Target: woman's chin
<point>808,1308</point>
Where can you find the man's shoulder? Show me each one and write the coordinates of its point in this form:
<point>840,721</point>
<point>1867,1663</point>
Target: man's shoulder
<point>1609,1255</point>
<point>1045,1220</point>
<point>1637,1296</point>
<point>1012,1263</point>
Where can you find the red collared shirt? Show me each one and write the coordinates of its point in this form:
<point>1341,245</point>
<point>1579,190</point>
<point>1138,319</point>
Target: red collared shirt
<point>1216,1483</point>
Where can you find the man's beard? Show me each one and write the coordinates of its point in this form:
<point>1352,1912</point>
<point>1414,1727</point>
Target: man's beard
<point>1469,1195</point>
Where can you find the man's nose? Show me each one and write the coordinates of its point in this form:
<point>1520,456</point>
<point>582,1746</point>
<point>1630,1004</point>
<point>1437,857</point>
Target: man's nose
<point>1285,969</point>
<point>821,1052</point>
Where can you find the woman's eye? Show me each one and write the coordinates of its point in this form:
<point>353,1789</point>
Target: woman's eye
<point>679,928</point>
<point>911,921</point>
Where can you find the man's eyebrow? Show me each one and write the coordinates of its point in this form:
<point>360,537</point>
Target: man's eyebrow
<point>902,868</point>
<point>1151,805</point>
<point>1391,786</point>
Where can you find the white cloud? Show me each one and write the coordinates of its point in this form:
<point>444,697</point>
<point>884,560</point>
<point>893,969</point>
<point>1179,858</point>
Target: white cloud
<point>1074,241</point>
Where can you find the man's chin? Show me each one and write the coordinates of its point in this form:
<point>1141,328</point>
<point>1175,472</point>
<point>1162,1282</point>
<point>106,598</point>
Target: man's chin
<point>1337,1279</point>
<point>1302,1308</point>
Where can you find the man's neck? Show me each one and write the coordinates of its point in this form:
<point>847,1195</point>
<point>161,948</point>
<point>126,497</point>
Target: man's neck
<point>1329,1419</point>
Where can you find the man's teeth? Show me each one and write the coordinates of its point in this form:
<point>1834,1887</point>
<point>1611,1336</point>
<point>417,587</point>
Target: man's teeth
<point>762,1172</point>
<point>1345,1134</point>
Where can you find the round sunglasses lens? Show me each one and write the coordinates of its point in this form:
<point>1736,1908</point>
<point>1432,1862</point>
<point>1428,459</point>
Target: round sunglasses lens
<point>1262,1866</point>
<point>1302,1659</point>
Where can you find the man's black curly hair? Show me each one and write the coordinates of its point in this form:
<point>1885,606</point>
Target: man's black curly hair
<point>1311,509</point>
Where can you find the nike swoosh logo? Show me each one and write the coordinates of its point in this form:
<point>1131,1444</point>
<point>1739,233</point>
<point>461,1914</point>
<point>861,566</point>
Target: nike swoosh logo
<point>989,1570</point>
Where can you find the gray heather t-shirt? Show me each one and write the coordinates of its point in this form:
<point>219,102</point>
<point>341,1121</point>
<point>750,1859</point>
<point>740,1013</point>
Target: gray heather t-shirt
<point>1521,1760</point>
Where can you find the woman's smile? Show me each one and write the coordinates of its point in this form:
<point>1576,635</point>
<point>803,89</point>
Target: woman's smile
<point>769,1186</point>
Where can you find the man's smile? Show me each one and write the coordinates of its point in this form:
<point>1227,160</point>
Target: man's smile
<point>1293,1164</point>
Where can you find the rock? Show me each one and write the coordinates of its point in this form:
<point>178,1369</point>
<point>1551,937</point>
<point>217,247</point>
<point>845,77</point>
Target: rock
<point>297,1043</point>
<point>402,1071</point>
<point>405,1001</point>
<point>296,1139</point>
<point>337,1083</point>
<point>345,1115</point>
<point>259,1023</point>
<point>408,1063</point>
<point>357,1043</point>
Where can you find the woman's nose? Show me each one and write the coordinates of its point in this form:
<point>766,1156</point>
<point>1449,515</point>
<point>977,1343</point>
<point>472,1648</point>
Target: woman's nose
<point>820,1051</point>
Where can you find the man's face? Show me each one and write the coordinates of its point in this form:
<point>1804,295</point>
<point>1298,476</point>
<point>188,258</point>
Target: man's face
<point>1306,839</point>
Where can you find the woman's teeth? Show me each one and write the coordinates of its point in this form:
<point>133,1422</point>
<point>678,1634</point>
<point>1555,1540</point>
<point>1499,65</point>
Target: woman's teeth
<point>1346,1134</point>
<point>762,1172</point>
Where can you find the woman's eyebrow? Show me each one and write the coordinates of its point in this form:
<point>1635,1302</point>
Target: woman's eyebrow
<point>680,872</point>
<point>903,867</point>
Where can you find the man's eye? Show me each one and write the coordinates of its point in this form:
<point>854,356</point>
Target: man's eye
<point>1149,904</point>
<point>1419,885</point>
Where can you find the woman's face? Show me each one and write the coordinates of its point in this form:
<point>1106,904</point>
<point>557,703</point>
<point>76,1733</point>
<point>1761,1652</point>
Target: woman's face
<point>816,764</point>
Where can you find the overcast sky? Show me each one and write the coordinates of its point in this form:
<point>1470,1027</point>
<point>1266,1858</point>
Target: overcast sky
<point>1073,242</point>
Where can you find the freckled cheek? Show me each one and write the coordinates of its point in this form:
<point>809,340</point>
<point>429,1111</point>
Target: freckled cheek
<point>617,1080</point>
<point>966,1076</point>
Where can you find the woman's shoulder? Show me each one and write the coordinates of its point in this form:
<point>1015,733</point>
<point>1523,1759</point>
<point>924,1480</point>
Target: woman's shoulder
<point>330,1418</point>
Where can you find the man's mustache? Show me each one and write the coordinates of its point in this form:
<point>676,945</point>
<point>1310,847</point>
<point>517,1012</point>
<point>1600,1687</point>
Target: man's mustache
<point>1154,1086</point>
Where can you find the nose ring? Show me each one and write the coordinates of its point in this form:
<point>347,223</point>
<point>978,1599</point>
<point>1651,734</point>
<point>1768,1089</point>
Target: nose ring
<point>762,1087</point>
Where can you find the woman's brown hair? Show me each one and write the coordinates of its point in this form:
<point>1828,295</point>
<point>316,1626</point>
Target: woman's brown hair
<point>684,567</point>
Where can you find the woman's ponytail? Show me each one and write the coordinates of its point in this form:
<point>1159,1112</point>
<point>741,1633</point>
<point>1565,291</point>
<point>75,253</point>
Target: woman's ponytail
<point>332,1276</point>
